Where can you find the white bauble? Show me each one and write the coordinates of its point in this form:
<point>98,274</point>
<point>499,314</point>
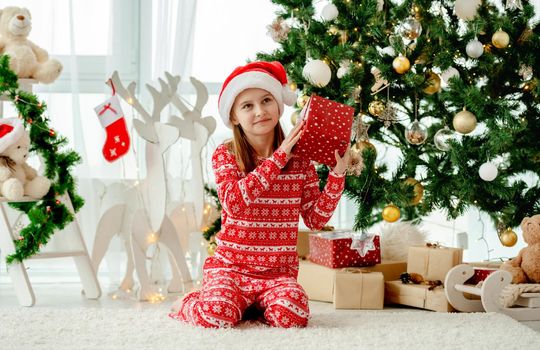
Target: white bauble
<point>488,171</point>
<point>467,9</point>
<point>396,238</point>
<point>388,50</point>
<point>474,48</point>
<point>317,73</point>
<point>329,12</point>
<point>342,71</point>
<point>448,74</point>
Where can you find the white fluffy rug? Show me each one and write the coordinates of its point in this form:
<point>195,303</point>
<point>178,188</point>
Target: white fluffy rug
<point>88,328</point>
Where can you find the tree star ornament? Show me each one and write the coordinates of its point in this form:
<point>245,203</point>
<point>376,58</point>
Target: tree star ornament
<point>363,244</point>
<point>389,115</point>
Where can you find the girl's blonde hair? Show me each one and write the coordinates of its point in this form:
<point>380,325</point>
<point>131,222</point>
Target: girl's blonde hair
<point>245,155</point>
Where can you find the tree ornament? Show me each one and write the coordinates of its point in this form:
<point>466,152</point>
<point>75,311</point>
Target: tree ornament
<point>380,5</point>
<point>401,64</point>
<point>211,248</point>
<point>329,12</point>
<point>391,213</point>
<point>293,86</point>
<point>488,171</point>
<point>294,117</point>
<point>380,81</point>
<point>343,36</point>
<point>474,48</point>
<point>365,144</point>
<point>389,115</point>
<point>410,28</point>
<point>416,133</point>
<point>376,108</point>
<point>467,9</point>
<point>333,30</point>
<point>360,128</point>
<point>448,74</point>
<point>464,122</point>
<point>433,83</point>
<point>508,237</point>
<point>418,190</point>
<point>442,137</point>
<point>355,94</point>
<point>388,50</point>
<point>317,73</point>
<point>302,100</point>
<point>514,4</point>
<point>344,68</point>
<point>278,30</point>
<point>500,39</point>
<point>356,161</point>
<point>526,72</point>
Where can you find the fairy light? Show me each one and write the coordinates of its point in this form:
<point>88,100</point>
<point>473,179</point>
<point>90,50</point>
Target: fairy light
<point>152,238</point>
<point>130,100</point>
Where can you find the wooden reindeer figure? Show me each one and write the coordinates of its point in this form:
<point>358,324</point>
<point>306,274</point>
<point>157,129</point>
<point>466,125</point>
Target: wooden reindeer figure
<point>197,130</point>
<point>149,223</point>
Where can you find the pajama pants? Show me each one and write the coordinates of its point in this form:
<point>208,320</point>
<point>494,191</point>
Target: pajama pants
<point>227,292</point>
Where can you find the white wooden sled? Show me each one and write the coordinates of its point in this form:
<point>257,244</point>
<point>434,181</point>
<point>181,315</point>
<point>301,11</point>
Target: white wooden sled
<point>527,307</point>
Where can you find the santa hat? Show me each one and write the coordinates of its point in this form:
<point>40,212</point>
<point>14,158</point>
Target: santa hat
<point>11,130</point>
<point>270,76</point>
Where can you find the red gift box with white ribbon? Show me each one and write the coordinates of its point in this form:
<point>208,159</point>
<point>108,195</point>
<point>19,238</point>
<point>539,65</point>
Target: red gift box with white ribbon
<point>344,248</point>
<point>327,128</point>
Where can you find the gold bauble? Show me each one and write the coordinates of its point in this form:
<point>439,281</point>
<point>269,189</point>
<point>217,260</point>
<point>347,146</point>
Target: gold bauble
<point>508,238</point>
<point>464,122</point>
<point>391,213</point>
<point>433,83</point>
<point>376,108</point>
<point>293,86</point>
<point>211,249</point>
<point>360,146</point>
<point>343,36</point>
<point>401,64</point>
<point>294,117</point>
<point>302,100</point>
<point>333,30</point>
<point>418,190</point>
<point>500,39</point>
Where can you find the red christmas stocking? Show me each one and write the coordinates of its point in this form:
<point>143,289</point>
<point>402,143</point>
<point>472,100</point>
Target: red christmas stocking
<point>112,119</point>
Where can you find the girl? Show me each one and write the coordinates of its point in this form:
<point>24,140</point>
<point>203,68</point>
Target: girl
<point>263,189</point>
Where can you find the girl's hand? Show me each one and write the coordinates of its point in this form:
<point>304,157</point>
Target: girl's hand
<point>292,138</point>
<point>342,162</point>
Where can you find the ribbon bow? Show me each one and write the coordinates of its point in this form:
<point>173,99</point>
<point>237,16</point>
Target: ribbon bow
<point>107,106</point>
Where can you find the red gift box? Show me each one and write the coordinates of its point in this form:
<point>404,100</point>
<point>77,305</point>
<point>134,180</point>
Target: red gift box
<point>342,248</point>
<point>327,128</point>
<point>480,274</point>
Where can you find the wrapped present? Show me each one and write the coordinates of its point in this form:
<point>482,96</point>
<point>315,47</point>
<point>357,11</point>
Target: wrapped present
<point>343,248</point>
<point>391,270</point>
<point>302,244</point>
<point>358,288</point>
<point>354,288</point>
<point>433,263</point>
<point>327,128</point>
<point>417,295</point>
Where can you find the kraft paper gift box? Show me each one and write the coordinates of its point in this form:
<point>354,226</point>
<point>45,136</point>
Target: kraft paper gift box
<point>356,288</point>
<point>391,270</point>
<point>433,263</point>
<point>327,128</point>
<point>352,289</point>
<point>417,295</point>
<point>333,249</point>
<point>302,244</point>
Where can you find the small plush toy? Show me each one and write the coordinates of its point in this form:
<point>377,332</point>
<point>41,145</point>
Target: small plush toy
<point>18,179</point>
<point>27,59</point>
<point>525,268</point>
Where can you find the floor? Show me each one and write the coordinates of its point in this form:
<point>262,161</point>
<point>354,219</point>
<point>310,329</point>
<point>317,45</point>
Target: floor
<point>60,287</point>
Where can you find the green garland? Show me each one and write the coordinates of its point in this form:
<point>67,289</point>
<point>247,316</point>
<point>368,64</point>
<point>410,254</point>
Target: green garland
<point>49,213</point>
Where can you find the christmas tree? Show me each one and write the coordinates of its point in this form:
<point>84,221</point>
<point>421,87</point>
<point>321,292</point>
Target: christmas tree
<point>450,87</point>
<point>49,213</point>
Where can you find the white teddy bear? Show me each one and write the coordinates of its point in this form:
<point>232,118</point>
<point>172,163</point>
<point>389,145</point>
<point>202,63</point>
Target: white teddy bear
<point>27,59</point>
<point>17,178</point>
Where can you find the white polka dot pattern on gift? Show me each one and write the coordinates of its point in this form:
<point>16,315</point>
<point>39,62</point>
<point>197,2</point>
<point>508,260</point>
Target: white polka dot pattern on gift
<point>333,250</point>
<point>328,127</point>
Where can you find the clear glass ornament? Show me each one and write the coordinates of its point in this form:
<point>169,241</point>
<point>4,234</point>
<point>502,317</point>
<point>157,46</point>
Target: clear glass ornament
<point>442,137</point>
<point>410,28</point>
<point>416,133</point>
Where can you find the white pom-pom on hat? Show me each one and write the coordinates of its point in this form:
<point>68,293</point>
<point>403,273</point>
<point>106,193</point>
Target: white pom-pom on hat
<point>270,76</point>
<point>11,130</point>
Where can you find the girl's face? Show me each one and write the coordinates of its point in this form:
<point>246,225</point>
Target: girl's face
<point>257,112</point>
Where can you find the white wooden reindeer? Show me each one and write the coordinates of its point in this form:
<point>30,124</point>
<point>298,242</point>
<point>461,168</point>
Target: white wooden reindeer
<point>146,218</point>
<point>197,130</point>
